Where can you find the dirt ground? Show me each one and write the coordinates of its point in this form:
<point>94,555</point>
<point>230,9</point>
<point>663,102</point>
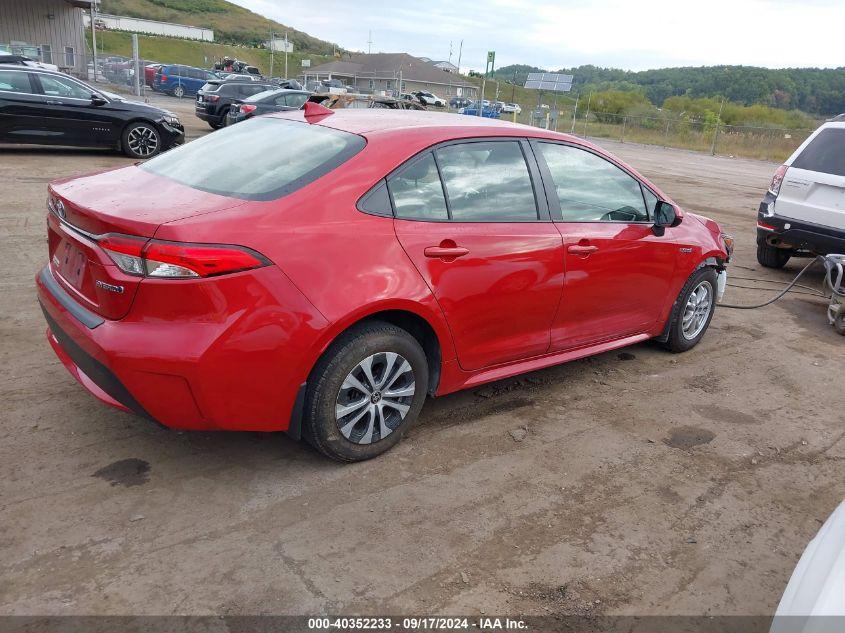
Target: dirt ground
<point>646,483</point>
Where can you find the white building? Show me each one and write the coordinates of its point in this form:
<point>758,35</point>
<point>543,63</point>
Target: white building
<point>150,27</point>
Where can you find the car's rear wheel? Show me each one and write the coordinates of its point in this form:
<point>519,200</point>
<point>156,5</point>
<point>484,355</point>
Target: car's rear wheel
<point>216,125</point>
<point>771,257</point>
<point>693,311</point>
<point>179,91</point>
<point>364,392</point>
<point>141,140</point>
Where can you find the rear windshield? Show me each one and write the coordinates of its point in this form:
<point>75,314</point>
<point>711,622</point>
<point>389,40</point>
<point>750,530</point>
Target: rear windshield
<point>825,153</point>
<point>258,159</point>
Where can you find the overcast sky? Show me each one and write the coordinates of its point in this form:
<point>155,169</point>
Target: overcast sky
<point>630,34</point>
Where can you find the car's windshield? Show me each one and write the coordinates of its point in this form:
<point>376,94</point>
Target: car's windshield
<point>259,159</point>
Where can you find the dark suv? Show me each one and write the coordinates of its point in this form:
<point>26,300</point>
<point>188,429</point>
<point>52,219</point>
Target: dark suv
<point>215,97</point>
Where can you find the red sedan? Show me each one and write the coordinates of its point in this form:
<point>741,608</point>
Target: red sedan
<point>329,269</point>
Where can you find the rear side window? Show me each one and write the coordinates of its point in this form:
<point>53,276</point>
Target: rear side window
<point>417,192</point>
<point>14,81</point>
<point>259,159</point>
<point>487,182</point>
<point>825,153</point>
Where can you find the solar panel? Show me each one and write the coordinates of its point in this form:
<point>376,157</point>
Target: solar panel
<point>549,81</point>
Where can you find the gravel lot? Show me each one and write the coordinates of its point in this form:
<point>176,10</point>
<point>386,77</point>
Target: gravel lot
<point>646,483</point>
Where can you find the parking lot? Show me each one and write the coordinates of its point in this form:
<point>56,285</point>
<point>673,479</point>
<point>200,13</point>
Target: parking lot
<point>636,482</point>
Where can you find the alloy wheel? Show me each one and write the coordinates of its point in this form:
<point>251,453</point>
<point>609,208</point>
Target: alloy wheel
<point>697,310</point>
<point>375,397</point>
<point>143,140</point>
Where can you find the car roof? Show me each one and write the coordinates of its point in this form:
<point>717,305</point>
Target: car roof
<point>367,121</point>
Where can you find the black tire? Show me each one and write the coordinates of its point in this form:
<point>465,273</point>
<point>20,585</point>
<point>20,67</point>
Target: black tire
<point>178,91</point>
<point>321,427</point>
<point>216,125</point>
<point>149,148</point>
<point>771,257</point>
<point>678,340</point>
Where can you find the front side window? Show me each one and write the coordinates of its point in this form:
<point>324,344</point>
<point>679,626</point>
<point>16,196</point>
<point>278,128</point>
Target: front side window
<point>290,155</point>
<point>54,86</point>
<point>417,192</point>
<point>592,189</point>
<point>487,182</point>
<point>14,81</point>
<point>825,153</point>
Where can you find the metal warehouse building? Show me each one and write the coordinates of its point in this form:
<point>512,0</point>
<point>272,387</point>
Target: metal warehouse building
<point>48,30</point>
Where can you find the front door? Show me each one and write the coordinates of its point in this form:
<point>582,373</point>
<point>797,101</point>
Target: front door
<point>478,239</point>
<point>618,272</point>
<point>69,115</point>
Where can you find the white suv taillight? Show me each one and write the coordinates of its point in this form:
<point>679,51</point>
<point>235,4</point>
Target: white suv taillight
<point>177,260</point>
<point>777,179</point>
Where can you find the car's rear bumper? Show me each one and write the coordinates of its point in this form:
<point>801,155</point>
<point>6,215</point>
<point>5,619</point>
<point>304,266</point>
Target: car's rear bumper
<point>210,372</point>
<point>782,232</point>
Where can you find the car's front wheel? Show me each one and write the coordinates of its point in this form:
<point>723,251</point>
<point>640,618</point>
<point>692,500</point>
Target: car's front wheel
<point>364,392</point>
<point>141,140</point>
<point>179,91</point>
<point>693,310</point>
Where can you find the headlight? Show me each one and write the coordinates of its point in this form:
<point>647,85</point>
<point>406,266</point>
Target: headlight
<point>172,120</point>
<point>728,241</point>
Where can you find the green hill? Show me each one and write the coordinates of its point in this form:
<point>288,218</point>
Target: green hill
<point>816,90</point>
<point>232,24</point>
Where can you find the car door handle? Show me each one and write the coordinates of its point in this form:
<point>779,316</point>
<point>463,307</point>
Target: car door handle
<point>582,249</point>
<point>445,252</point>
<point>53,102</point>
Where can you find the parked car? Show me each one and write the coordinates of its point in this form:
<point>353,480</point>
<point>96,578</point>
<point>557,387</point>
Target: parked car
<point>273,100</point>
<point>179,80</point>
<point>45,107</point>
<point>459,102</point>
<point>329,291</point>
<point>487,110</point>
<point>150,71</point>
<point>22,60</point>
<point>429,98</point>
<point>512,108</point>
<point>817,585</point>
<point>215,97</point>
<point>803,210</point>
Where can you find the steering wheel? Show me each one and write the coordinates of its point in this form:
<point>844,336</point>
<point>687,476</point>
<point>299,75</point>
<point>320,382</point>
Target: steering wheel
<point>623,214</point>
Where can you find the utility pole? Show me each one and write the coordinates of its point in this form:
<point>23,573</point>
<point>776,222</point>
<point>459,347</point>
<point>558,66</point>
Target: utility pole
<point>272,47</point>
<point>450,52</point>
<point>136,64</point>
<point>370,43</point>
<point>286,54</point>
<point>716,132</point>
<point>460,50</point>
<point>93,36</point>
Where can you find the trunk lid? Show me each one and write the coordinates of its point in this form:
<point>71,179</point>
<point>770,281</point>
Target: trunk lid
<point>814,197</point>
<point>128,201</point>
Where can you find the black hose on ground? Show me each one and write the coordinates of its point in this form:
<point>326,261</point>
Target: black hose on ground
<point>816,260</point>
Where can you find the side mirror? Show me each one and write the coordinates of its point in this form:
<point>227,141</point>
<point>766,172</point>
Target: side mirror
<point>665,215</point>
<point>97,100</point>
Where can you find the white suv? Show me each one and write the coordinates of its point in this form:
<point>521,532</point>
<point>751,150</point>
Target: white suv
<point>429,98</point>
<point>804,209</point>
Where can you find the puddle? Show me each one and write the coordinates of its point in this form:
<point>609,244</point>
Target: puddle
<point>686,437</point>
<point>126,472</point>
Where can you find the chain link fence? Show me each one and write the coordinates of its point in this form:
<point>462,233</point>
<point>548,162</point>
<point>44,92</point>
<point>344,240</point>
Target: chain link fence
<point>760,142</point>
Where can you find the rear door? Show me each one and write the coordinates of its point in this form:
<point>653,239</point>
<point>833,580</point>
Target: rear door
<point>20,108</point>
<point>482,240</point>
<point>813,189</point>
<point>618,272</point>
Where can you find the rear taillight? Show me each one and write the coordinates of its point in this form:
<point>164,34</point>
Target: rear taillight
<point>213,98</point>
<point>777,179</point>
<point>163,78</point>
<point>177,260</point>
<point>246,108</point>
